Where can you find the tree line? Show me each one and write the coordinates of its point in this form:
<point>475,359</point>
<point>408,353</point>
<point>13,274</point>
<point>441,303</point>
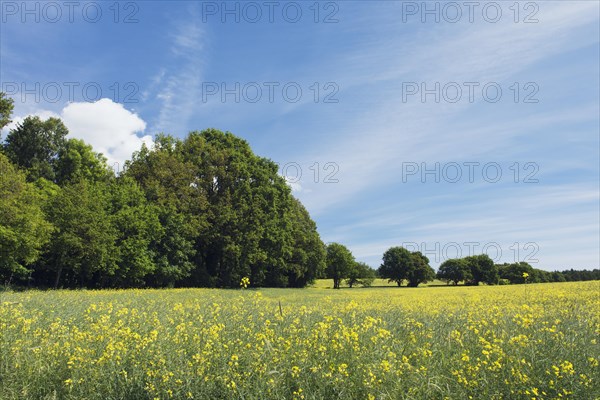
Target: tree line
<point>403,266</point>
<point>200,211</point>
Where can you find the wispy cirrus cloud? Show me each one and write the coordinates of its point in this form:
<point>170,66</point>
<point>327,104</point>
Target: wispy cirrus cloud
<point>178,85</point>
<point>517,223</point>
<point>374,142</point>
<point>371,143</point>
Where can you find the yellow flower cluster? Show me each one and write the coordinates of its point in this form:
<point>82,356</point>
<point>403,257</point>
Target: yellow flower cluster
<point>245,282</point>
<point>514,342</point>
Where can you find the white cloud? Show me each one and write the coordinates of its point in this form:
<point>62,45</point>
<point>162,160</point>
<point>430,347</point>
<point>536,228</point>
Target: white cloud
<point>108,127</point>
<point>296,187</point>
<point>43,114</point>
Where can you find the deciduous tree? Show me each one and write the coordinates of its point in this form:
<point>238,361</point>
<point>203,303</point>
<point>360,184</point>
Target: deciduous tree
<point>340,261</point>
<point>455,270</point>
<point>34,145</point>
<point>401,265</point>
<point>82,250</point>
<point>23,228</point>
<point>360,274</point>
<point>6,109</point>
<point>396,265</point>
<point>482,269</point>
<point>419,270</point>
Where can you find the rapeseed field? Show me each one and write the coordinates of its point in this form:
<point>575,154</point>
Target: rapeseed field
<point>536,341</point>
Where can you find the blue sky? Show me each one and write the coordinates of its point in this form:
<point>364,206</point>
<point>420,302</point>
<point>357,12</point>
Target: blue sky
<point>373,126</point>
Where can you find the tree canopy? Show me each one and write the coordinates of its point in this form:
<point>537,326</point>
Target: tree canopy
<point>24,229</point>
<point>199,211</point>
<point>340,262</point>
<point>455,270</point>
<point>399,265</point>
<point>34,146</point>
<point>482,269</point>
<point>6,108</point>
<point>360,274</point>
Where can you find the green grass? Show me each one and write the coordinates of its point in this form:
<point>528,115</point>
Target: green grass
<point>328,284</point>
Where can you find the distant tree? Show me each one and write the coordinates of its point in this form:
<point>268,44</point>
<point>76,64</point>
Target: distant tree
<point>396,265</point>
<point>360,274</point>
<point>482,269</point>
<point>401,265</point>
<point>6,109</point>
<point>455,270</point>
<point>23,228</point>
<point>340,262</point>
<point>515,273</point>
<point>34,145</point>
<point>420,271</point>
<point>558,277</point>
<point>542,276</point>
<point>572,275</point>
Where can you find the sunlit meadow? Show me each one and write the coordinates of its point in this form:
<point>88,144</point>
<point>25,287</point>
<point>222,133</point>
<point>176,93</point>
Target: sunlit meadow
<point>537,341</point>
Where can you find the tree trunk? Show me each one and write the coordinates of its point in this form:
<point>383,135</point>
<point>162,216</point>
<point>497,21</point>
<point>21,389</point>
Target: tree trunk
<point>60,268</point>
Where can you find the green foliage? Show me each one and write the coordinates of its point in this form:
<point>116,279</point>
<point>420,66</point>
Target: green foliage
<point>77,160</point>
<point>572,275</point>
<point>360,274</point>
<point>34,145</point>
<point>82,251</point>
<point>558,277</point>
<point>23,229</point>
<point>169,182</point>
<point>396,263</point>
<point>420,271</point>
<point>6,109</point>
<point>306,260</point>
<point>401,265</point>
<point>239,217</point>
<point>137,225</point>
<point>463,269</point>
<point>514,273</point>
<point>173,251</point>
<point>455,270</point>
<point>483,270</point>
<point>340,263</point>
